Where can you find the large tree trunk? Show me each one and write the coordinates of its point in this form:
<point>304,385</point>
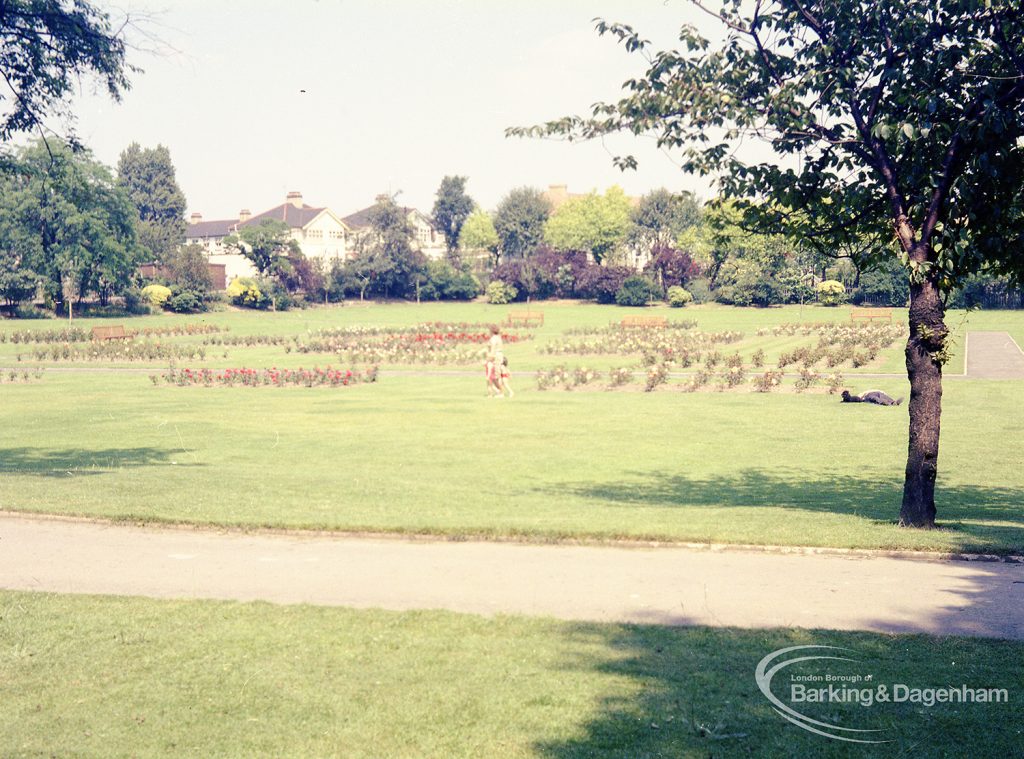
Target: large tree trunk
<point>924,351</point>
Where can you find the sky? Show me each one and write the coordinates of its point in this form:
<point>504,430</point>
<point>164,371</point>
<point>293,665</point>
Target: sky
<point>342,100</point>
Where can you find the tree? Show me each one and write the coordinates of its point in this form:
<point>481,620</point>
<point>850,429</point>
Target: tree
<point>188,267</point>
<point>68,221</point>
<point>661,217</point>
<point>478,234</point>
<point>595,223</point>
<point>147,174</point>
<point>47,47</point>
<point>451,209</point>
<point>267,245</point>
<point>898,116</point>
<point>519,222</point>
<point>385,260</point>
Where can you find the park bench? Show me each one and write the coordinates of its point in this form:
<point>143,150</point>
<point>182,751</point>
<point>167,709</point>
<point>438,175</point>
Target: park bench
<point>870,314</point>
<point>645,321</point>
<point>113,332</point>
<point>525,318</point>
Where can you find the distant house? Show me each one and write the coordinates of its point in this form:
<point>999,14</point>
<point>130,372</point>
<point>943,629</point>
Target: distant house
<point>320,233</point>
<point>426,239</point>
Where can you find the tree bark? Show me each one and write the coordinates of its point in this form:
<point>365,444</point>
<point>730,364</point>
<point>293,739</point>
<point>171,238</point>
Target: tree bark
<point>925,345</point>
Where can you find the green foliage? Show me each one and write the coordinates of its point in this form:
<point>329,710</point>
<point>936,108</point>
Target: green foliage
<point>831,292</point>
<point>16,285</point>
<point>478,232</point>
<point>500,293</point>
<point>63,217</point>
<point>266,244</point>
<point>147,175</point>
<point>662,217</point>
<point>49,48</point>
<point>245,291</point>
<point>678,297</point>
<point>385,262</point>
<point>519,222</point>
<point>451,209</point>
<point>637,291</point>
<point>156,295</point>
<point>445,282</point>
<point>883,285</point>
<point>188,267</point>
<point>185,302</point>
<point>593,223</point>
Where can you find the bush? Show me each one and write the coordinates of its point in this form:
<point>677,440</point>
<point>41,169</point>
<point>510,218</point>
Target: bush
<point>678,297</point>
<point>636,291</point>
<point>245,291</point>
<point>157,295</point>
<point>500,293</point>
<point>831,292</point>
<point>185,302</point>
<point>602,282</point>
<point>445,282</point>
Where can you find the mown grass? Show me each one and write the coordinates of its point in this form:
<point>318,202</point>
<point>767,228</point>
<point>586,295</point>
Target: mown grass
<point>110,677</point>
<point>431,454</point>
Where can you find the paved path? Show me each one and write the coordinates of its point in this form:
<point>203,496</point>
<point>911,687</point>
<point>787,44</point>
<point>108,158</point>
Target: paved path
<point>672,586</point>
<point>993,355</point>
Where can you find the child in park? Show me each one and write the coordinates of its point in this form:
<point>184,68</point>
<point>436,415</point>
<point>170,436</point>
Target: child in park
<point>503,377</point>
<point>493,375</point>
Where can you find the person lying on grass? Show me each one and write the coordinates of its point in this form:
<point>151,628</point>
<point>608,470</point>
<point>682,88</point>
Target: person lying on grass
<point>871,396</point>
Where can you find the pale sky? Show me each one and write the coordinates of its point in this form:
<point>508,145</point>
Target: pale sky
<point>398,94</point>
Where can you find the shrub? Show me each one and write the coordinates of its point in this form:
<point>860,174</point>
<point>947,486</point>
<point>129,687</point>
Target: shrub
<point>444,282</point>
<point>636,291</point>
<point>185,302</point>
<point>157,295</point>
<point>500,293</point>
<point>678,297</point>
<point>831,292</point>
<point>602,282</point>
<point>244,291</point>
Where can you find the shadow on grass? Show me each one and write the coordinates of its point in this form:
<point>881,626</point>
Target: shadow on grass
<point>873,497</point>
<point>83,462</point>
<point>692,692</point>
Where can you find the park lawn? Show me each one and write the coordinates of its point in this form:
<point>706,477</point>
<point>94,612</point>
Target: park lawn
<point>431,454</point>
<point>109,677</point>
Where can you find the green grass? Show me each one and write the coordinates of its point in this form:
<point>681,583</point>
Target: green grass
<point>431,454</point>
<point>110,677</point>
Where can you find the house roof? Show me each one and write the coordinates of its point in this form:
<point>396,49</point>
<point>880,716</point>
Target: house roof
<point>361,218</point>
<point>216,228</point>
<point>288,213</point>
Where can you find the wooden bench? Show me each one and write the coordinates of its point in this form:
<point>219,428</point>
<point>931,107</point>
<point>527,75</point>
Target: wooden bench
<point>645,321</point>
<point>526,318</point>
<point>870,314</point>
<point>113,332</point>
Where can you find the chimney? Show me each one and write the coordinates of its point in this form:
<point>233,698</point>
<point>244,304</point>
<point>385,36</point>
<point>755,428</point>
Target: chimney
<point>295,198</point>
<point>244,215</point>
<point>195,218</point>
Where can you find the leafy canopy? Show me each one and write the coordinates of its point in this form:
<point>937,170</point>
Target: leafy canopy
<point>266,244</point>
<point>903,115</point>
<point>519,221</point>
<point>452,207</point>
<point>594,223</point>
<point>47,48</point>
<point>148,176</point>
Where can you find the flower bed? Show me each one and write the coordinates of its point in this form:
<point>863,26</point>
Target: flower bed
<point>273,377</point>
<point>683,347</point>
<point>116,350</point>
<point>421,344</point>
<point>81,335</point>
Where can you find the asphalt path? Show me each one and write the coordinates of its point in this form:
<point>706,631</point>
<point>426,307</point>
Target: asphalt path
<point>654,585</point>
